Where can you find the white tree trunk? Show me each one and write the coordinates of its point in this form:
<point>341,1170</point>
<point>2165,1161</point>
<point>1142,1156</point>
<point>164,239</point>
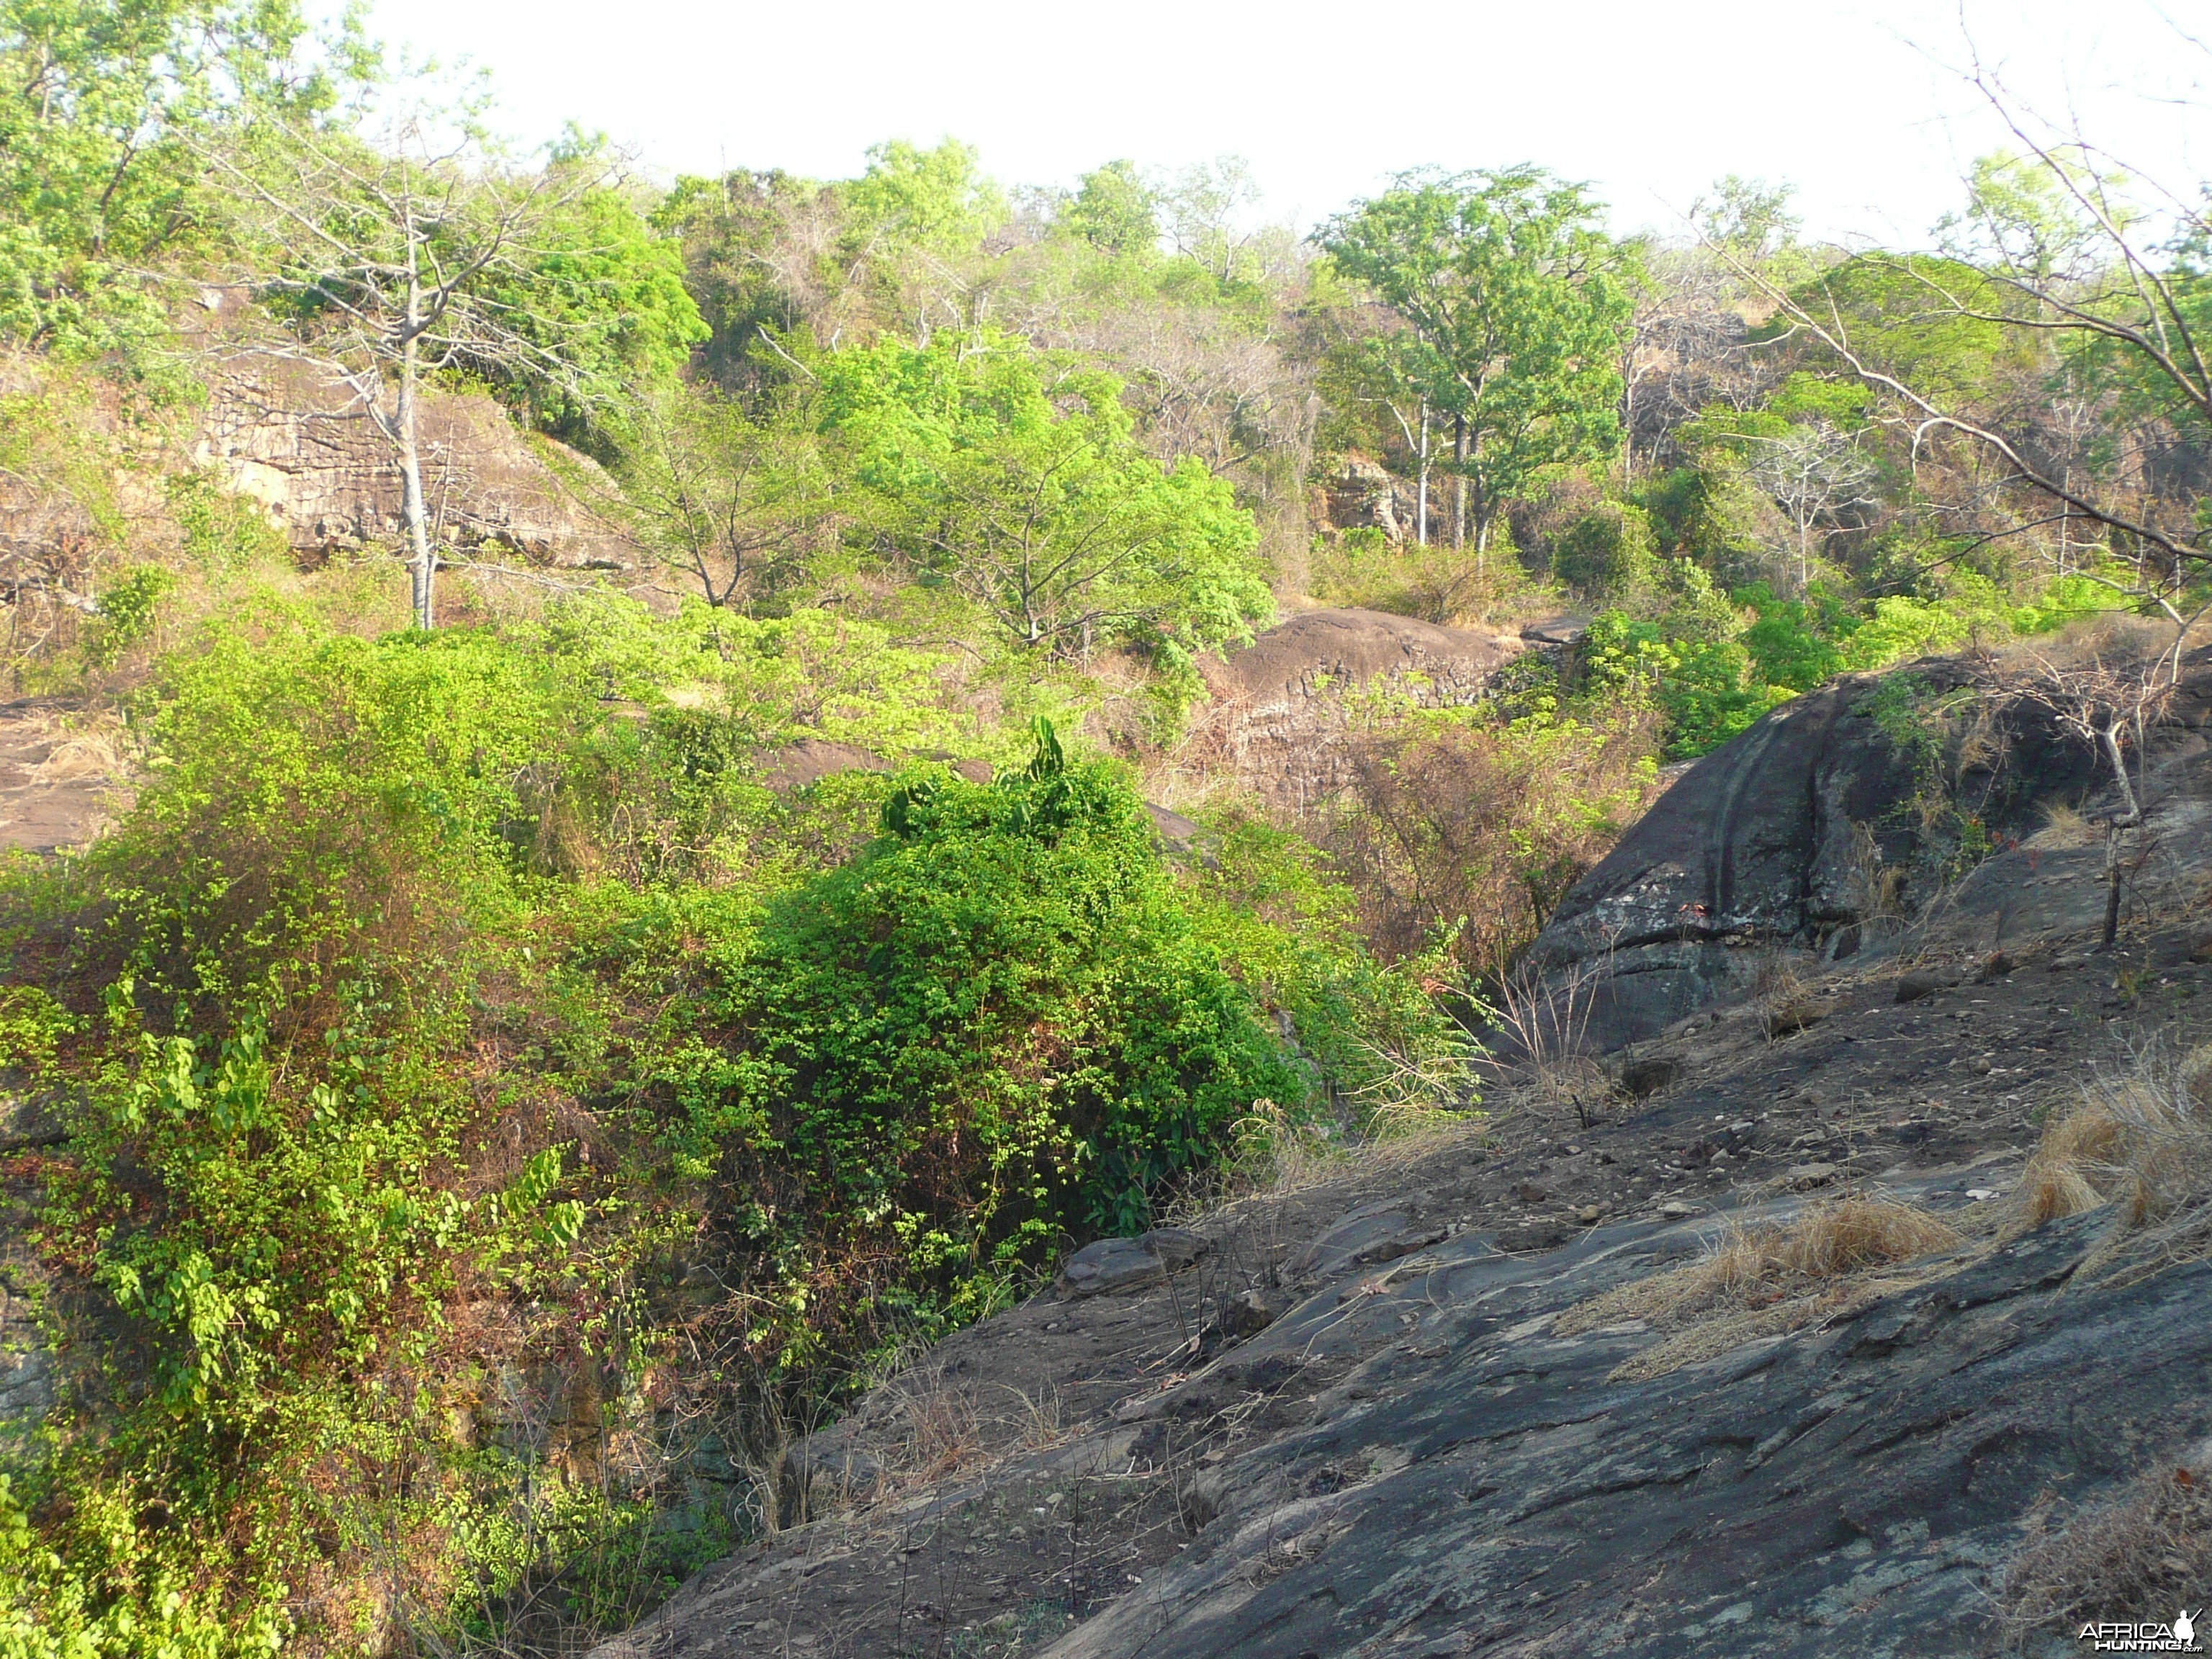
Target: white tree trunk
<point>1421,491</point>
<point>410,469</point>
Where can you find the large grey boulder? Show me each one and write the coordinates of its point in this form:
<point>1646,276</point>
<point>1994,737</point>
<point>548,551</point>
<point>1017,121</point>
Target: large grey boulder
<point>1804,833</point>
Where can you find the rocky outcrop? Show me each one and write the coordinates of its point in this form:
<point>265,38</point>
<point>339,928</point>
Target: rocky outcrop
<point>293,437</point>
<point>1844,820</point>
<point>1486,1485</point>
<point>1281,711</point>
<point>1362,494</point>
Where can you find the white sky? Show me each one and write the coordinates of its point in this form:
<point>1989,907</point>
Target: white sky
<point>1849,99</point>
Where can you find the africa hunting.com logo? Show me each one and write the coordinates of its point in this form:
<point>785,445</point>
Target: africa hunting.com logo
<point>2121,1636</point>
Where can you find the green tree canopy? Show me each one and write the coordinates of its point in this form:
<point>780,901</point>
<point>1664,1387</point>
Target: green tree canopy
<point>997,1022</point>
<point>97,98</point>
<point>1014,476</point>
<point>927,201</point>
<point>602,292</point>
<point>1114,211</point>
<point>1514,313</point>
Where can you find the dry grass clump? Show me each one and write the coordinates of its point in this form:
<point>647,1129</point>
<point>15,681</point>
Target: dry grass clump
<point>2143,1555</point>
<point>1767,1279</point>
<point>2064,827</point>
<point>84,747</point>
<point>2141,1141</point>
<point>1789,999</point>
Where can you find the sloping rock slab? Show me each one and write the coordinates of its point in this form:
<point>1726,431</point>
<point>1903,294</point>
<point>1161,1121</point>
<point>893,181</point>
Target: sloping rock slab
<point>1113,1264</point>
<point>1485,1488</point>
<point>1372,1234</point>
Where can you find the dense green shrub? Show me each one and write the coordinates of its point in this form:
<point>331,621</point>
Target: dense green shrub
<point>995,1025</point>
<point>1607,553</point>
<point>1704,687</point>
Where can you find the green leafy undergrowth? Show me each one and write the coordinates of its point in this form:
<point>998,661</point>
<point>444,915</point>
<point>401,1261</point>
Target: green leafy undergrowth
<point>448,1006</point>
<point>996,1025</point>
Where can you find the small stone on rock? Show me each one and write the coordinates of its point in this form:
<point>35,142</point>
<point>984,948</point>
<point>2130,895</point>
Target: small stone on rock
<point>1248,1314</point>
<point>1129,1264</point>
<point>1919,983</point>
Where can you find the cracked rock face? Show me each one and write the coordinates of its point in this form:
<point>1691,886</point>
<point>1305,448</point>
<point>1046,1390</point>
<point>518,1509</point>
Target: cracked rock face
<point>293,439</point>
<point>1278,720</point>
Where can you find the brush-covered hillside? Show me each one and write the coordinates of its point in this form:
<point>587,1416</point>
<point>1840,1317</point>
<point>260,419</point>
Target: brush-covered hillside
<point>635,808</point>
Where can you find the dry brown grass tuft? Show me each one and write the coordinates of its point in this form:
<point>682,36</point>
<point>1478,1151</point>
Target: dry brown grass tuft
<point>1767,1279</point>
<point>2141,1141</point>
<point>1789,998</point>
<point>2063,827</point>
<point>2146,1555</point>
<point>2056,1184</point>
<point>91,747</point>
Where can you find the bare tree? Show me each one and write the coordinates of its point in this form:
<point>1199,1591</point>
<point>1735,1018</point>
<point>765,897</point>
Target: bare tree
<point>1815,474</point>
<point>2100,253</point>
<point>1204,205</point>
<point>2110,705</point>
<point>735,500</point>
<point>399,257</point>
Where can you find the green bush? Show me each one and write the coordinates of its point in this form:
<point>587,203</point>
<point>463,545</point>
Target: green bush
<point>1706,688</point>
<point>994,1026</point>
<point>1607,553</point>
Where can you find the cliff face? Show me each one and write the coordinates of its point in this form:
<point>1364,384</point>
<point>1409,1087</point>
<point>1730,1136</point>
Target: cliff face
<point>289,436</point>
<point>86,486</point>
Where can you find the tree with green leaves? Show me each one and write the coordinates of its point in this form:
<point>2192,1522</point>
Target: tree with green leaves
<point>1114,211</point>
<point>1013,476</point>
<point>930,201</point>
<point>99,100</point>
<point>1511,297</point>
<point>734,498</point>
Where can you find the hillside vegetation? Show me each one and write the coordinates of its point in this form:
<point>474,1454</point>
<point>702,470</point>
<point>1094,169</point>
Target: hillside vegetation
<point>485,1096</point>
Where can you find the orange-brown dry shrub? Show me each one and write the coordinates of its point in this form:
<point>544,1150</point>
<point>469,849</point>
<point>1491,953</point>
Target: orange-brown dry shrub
<point>1462,820</point>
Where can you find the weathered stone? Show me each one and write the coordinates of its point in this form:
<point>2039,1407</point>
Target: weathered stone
<point>1114,1265</point>
<point>1782,838</point>
<point>1279,720</point>
<point>824,1472</point>
<point>1247,1314</point>
<point>1922,982</point>
<point>291,436</point>
<point>1854,1486</point>
<point>1372,1234</point>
